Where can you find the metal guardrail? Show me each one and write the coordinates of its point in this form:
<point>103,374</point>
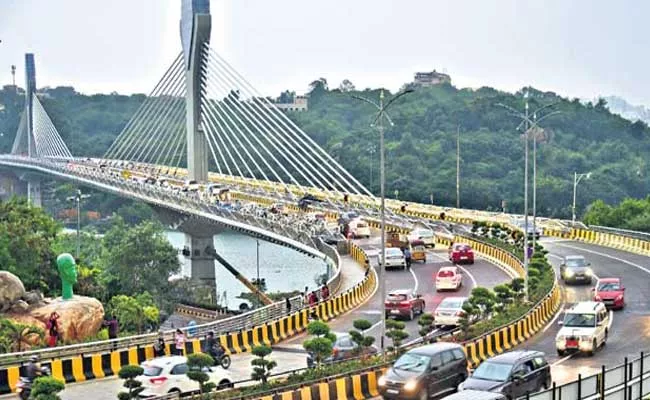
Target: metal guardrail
<point>627,381</point>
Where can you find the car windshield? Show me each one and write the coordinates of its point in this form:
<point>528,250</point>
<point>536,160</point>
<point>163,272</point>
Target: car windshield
<point>412,362</point>
<point>152,371</point>
<point>580,320</point>
<point>609,287</point>
<point>491,371</point>
<point>451,303</point>
<point>396,297</point>
<point>575,262</point>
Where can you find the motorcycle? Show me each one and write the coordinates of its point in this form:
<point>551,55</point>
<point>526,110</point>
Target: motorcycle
<point>24,385</point>
<point>221,358</point>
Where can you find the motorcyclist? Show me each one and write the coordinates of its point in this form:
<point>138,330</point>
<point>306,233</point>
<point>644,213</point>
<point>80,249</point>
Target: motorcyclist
<point>214,347</point>
<point>32,369</point>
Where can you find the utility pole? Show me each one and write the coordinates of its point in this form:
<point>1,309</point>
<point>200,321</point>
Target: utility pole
<point>13,75</point>
<point>381,114</point>
<point>576,179</point>
<point>259,287</point>
<point>535,131</point>
<point>526,200</point>
<point>78,199</point>
<point>458,167</point>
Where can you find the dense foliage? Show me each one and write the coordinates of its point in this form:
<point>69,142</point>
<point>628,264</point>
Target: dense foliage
<point>421,145</point>
<point>629,214</point>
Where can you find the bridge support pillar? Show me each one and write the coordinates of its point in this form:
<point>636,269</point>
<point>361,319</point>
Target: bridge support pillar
<point>34,192</point>
<point>11,185</point>
<point>199,262</point>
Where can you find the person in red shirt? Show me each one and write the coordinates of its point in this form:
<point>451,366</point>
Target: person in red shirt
<point>313,299</point>
<point>325,292</point>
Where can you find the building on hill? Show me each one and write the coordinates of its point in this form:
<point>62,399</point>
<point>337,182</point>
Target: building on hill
<point>300,103</point>
<point>427,79</point>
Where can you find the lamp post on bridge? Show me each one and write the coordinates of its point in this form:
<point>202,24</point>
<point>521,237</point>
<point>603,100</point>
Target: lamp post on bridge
<point>379,120</point>
<point>77,198</point>
<point>576,179</point>
<point>529,125</point>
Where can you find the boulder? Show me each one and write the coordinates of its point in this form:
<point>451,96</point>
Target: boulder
<point>79,318</point>
<point>33,297</point>
<point>19,307</point>
<point>11,289</point>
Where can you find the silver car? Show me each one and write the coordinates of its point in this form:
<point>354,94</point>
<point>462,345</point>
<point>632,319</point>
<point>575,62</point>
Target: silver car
<point>575,269</point>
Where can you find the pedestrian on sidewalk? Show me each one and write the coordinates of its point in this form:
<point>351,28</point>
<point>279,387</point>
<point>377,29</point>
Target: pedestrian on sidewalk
<point>287,301</point>
<point>407,256</point>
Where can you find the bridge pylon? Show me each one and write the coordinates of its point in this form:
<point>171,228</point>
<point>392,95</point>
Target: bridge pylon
<point>196,26</point>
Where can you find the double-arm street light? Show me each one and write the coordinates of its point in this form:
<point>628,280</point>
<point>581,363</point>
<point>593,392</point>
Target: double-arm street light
<point>576,179</point>
<point>529,125</point>
<point>379,122</point>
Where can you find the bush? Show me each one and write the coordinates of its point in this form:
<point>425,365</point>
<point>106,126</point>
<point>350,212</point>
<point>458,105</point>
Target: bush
<point>196,363</point>
<point>322,344</point>
<point>129,373</point>
<point>396,333</point>
<point>362,341</point>
<point>46,388</point>
<point>261,366</point>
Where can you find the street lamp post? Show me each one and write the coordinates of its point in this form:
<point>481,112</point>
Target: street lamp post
<point>371,151</point>
<point>77,199</point>
<point>576,179</point>
<point>528,126</point>
<point>458,167</point>
<point>379,119</point>
<point>259,300</point>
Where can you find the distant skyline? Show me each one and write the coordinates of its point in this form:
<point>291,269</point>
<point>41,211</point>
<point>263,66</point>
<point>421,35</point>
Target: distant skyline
<point>579,48</point>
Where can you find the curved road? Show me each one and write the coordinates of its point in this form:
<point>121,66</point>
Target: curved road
<point>629,333</point>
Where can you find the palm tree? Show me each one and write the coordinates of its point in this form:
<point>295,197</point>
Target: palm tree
<point>16,335</point>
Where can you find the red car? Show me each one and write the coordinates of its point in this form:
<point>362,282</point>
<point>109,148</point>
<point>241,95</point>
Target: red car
<point>460,253</point>
<point>404,303</point>
<point>611,292</point>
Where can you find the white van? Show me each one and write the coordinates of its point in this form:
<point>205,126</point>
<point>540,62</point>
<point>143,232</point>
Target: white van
<point>585,328</point>
<point>359,228</point>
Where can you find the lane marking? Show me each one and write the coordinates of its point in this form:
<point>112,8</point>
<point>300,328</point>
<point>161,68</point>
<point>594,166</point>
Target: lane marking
<point>420,338</point>
<point>561,360</point>
<point>415,278</point>
<point>608,256</point>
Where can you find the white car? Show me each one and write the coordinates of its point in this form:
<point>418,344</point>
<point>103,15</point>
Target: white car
<point>584,329</point>
<point>191,186</point>
<point>395,258</point>
<point>169,375</point>
<point>449,278</point>
<point>449,311</point>
<point>425,235</point>
<point>359,228</point>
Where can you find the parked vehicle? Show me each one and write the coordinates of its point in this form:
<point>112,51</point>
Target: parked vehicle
<point>576,269</point>
<point>461,253</point>
<point>584,329</point>
<point>425,235</point>
<point>168,375</point>
<point>396,239</point>
<point>191,186</point>
<point>611,292</point>
<point>513,374</point>
<point>344,349</point>
<point>448,278</point>
<point>449,311</point>
<point>418,251</point>
<point>394,258</point>
<point>426,371</point>
<point>404,303</point>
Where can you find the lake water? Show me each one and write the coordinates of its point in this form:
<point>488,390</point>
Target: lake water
<point>284,269</point>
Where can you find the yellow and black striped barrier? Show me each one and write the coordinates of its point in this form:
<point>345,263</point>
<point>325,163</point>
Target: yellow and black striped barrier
<point>96,366</point>
<point>356,386</point>
<point>625,243</point>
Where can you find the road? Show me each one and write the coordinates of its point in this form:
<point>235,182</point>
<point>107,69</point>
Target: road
<point>419,279</point>
<point>107,389</point>
<point>630,330</point>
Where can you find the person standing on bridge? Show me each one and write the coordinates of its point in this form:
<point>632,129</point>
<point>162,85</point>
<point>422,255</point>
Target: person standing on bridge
<point>159,346</point>
<point>179,342</point>
<point>325,292</point>
<point>287,301</point>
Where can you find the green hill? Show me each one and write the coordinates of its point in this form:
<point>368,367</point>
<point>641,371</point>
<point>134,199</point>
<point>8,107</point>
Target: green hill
<point>421,146</point>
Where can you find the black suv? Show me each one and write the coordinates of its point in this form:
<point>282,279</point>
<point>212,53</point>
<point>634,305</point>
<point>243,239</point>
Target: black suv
<point>513,374</point>
<point>427,371</point>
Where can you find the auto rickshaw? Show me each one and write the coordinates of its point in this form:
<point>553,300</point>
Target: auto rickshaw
<point>418,251</point>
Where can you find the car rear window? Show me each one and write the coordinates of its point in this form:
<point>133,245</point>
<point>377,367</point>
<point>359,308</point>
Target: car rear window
<point>152,371</point>
<point>609,287</point>
<point>396,297</point>
<point>446,274</point>
<point>461,247</point>
<point>451,303</point>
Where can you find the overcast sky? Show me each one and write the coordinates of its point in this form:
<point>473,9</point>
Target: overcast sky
<point>578,48</point>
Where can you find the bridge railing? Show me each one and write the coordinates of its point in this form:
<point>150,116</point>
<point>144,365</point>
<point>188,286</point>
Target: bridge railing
<point>627,381</point>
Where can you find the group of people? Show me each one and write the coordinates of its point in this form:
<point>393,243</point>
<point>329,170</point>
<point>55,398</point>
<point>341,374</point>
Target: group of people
<point>211,345</point>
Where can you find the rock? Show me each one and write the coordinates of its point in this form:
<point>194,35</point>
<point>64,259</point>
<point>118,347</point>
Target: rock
<point>19,307</point>
<point>11,289</point>
<point>79,318</point>
<point>33,297</point>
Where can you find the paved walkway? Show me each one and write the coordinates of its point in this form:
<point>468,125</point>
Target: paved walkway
<point>351,273</point>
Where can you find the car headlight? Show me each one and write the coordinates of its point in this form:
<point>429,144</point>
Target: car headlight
<point>619,297</point>
<point>569,273</point>
<point>381,381</point>
<point>410,385</point>
<point>588,272</point>
<point>559,338</point>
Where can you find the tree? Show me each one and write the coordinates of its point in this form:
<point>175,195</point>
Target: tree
<point>346,86</point>
<point>46,388</point>
<point>129,373</point>
<point>358,337</point>
<point>483,299</point>
<point>138,259</point>
<point>322,344</point>
<point>396,333</point>
<point>197,364</point>
<point>261,366</point>
<point>134,313</point>
<point>426,322</point>
<point>17,336</point>
<point>26,237</point>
